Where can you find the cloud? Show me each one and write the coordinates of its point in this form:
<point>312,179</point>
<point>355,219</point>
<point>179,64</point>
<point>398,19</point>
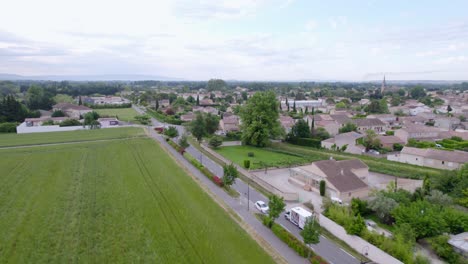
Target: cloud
<point>452,60</point>
<point>311,25</point>
<point>337,21</point>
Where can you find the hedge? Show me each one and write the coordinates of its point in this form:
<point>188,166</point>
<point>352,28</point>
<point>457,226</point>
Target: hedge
<point>105,106</point>
<point>308,142</point>
<point>8,127</point>
<point>294,243</point>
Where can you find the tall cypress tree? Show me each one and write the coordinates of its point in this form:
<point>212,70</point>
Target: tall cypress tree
<point>294,107</point>
<point>198,99</point>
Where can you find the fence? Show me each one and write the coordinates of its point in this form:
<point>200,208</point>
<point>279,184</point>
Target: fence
<point>288,196</point>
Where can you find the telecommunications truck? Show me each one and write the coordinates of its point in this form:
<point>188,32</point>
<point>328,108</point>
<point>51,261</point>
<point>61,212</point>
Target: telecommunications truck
<point>298,216</point>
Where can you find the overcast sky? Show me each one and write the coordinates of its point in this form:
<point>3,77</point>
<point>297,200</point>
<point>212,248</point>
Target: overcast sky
<point>238,39</point>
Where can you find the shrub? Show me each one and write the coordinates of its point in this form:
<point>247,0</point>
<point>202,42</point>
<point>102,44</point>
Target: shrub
<point>444,249</point>
<point>58,113</point>
<point>8,127</point>
<point>247,164</point>
<point>322,187</point>
<point>215,142</point>
<point>397,147</point>
<point>70,122</point>
<point>390,133</point>
<point>218,181</point>
<point>250,154</point>
<point>291,241</point>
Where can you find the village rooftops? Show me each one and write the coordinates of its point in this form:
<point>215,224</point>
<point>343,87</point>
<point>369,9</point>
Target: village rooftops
<point>368,122</point>
<point>436,154</point>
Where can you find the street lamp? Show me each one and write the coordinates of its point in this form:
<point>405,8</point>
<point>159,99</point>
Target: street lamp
<point>248,193</point>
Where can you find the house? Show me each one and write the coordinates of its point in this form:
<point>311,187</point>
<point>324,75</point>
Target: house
<point>370,124</point>
<point>206,102</point>
<point>389,141</point>
<point>345,179</point>
<point>324,121</point>
<point>71,110</point>
<point>460,243</point>
<point>304,103</point>
<point>45,113</point>
<point>108,122</point>
<point>187,117</point>
<point>105,100</point>
<point>30,122</point>
<point>388,119</point>
<point>164,103</point>
<point>287,123</point>
<point>208,109</point>
<point>418,132</point>
<point>445,122</point>
<point>434,158</point>
<point>349,139</point>
<point>229,124</point>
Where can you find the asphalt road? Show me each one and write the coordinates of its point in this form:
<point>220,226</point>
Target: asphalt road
<point>325,248</point>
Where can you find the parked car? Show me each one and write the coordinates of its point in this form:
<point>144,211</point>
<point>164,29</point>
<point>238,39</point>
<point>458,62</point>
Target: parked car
<point>262,206</point>
<point>373,151</point>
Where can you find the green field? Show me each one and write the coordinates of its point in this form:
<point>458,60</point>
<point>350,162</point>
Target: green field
<point>262,157</point>
<point>9,140</point>
<point>123,114</point>
<point>111,202</point>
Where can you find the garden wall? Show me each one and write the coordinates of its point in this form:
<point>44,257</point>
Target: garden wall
<point>23,129</point>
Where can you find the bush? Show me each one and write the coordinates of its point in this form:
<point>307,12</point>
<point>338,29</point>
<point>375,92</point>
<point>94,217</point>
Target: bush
<point>322,187</point>
<point>8,127</point>
<point>291,241</point>
<point>218,181</point>
<point>233,135</point>
<point>215,142</point>
<point>390,133</point>
<point>108,106</point>
<point>397,147</point>
<point>250,154</point>
<point>70,122</point>
<point>308,142</point>
<point>247,164</point>
<point>58,113</point>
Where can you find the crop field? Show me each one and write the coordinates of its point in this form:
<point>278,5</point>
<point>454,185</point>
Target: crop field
<point>120,201</point>
<point>123,114</point>
<point>262,157</point>
<point>9,140</point>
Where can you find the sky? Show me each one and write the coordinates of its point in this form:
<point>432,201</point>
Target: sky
<point>283,40</point>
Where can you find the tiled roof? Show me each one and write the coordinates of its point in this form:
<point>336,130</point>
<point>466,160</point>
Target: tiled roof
<point>443,155</point>
<point>340,174</point>
<point>368,122</point>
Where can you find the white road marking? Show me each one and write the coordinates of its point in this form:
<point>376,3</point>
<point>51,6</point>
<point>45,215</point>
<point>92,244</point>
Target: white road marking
<point>347,253</point>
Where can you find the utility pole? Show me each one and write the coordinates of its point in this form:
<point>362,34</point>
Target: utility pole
<point>248,194</point>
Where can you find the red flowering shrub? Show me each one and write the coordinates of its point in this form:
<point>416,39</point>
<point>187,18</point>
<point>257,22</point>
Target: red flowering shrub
<point>218,181</point>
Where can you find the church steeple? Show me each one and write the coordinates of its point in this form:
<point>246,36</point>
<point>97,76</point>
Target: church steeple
<point>382,89</point>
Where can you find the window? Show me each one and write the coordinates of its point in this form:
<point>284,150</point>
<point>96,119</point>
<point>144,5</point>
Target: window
<point>443,162</point>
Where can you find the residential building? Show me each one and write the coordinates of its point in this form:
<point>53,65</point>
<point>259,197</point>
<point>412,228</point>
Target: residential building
<point>206,102</point>
<point>370,124</point>
<point>187,117</point>
<point>71,110</point>
<point>434,158</point>
<point>418,132</point>
<point>287,123</point>
<point>349,139</point>
<point>164,103</point>
<point>105,100</point>
<point>388,119</point>
<point>229,124</point>
<point>445,122</point>
<point>345,179</point>
<point>389,141</point>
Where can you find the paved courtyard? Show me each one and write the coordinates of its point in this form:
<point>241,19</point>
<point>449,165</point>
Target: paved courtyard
<point>279,179</point>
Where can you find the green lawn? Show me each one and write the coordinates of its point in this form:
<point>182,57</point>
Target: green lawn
<point>8,140</point>
<point>123,114</point>
<point>238,154</point>
<point>111,202</point>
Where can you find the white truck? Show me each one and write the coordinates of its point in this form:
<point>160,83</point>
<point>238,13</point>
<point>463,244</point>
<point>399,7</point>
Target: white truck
<point>298,216</point>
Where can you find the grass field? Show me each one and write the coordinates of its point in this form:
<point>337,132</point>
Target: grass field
<point>123,114</point>
<point>9,140</point>
<point>111,202</point>
<point>238,154</point>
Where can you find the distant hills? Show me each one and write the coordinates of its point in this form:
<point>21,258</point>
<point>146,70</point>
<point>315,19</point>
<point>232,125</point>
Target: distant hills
<point>104,77</point>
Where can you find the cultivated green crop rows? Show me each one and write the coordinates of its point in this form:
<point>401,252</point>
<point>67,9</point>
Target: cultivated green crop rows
<point>111,202</point>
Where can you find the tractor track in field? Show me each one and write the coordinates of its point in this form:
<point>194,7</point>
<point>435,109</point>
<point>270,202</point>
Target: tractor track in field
<point>139,161</point>
<point>69,142</point>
